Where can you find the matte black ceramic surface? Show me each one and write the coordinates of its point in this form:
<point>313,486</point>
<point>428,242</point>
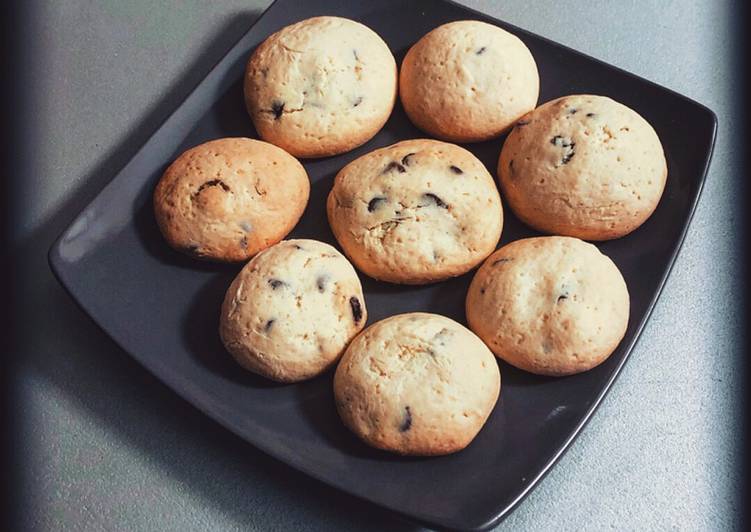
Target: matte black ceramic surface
<point>163,308</point>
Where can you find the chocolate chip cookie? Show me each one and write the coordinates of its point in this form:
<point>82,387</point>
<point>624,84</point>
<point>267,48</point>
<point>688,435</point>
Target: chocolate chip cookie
<point>468,81</point>
<point>416,384</point>
<point>292,310</point>
<point>549,305</point>
<point>322,86</point>
<point>229,198</point>
<point>415,212</point>
<point>584,166</point>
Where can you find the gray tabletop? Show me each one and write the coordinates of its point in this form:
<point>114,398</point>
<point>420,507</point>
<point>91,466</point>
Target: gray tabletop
<point>101,444</point>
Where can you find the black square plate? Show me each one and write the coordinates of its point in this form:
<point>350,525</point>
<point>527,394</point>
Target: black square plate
<point>163,308</point>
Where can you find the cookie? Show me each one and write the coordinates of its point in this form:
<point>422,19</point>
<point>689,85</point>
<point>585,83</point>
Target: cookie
<point>320,87</point>
<point>415,212</point>
<point>584,166</point>
<point>549,305</point>
<point>468,81</point>
<point>416,384</point>
<point>292,310</point>
<point>228,199</point>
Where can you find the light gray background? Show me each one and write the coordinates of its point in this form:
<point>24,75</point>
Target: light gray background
<point>102,445</point>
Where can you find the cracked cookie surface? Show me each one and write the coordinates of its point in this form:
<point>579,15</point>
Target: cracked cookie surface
<point>468,81</point>
<point>322,86</point>
<point>228,199</point>
<point>292,310</point>
<point>417,384</point>
<point>549,305</point>
<point>584,166</point>
<point>416,212</point>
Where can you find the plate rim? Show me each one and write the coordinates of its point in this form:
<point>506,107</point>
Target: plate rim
<point>57,266</point>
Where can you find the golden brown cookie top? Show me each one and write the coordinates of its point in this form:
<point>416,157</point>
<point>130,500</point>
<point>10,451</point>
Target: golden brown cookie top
<point>584,166</point>
<point>468,81</point>
<point>416,212</point>
<point>417,384</point>
<point>321,86</point>
<point>227,199</point>
<point>292,310</point>
<point>549,305</point>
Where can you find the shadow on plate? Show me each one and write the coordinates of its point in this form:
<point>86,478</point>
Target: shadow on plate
<point>314,222</point>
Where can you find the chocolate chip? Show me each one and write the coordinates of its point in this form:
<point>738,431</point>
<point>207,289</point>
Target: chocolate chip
<point>481,51</point>
<point>559,141</point>
<point>276,283</point>
<point>590,115</point>
<point>357,101</point>
<point>244,242</point>
<point>482,290</point>
<point>522,122</point>
<point>354,52</point>
<point>376,202</point>
<point>511,166</point>
<point>405,159</point>
<point>562,297</point>
<point>213,183</point>
<point>432,198</point>
<point>440,337</point>
<point>564,142</point>
<point>393,165</point>
<point>296,246</point>
<point>356,309</point>
<point>456,169</point>
<point>568,156</point>
<point>572,111</point>
<point>321,282</point>
<point>406,421</point>
<point>502,259</point>
<point>268,325</point>
<point>277,108</point>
